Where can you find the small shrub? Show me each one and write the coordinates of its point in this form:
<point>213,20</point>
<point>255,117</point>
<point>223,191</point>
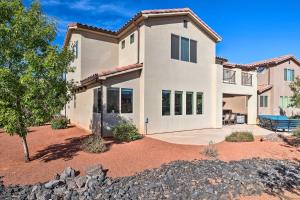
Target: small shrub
<point>59,123</point>
<point>94,144</point>
<point>126,132</point>
<point>295,117</point>
<point>210,150</point>
<point>296,133</point>
<point>240,137</point>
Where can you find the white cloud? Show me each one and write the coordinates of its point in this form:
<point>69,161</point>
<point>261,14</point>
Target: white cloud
<point>83,5</point>
<point>119,9</point>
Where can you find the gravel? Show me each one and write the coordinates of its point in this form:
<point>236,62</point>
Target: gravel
<point>205,179</point>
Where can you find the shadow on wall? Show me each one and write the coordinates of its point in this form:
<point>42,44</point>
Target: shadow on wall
<point>110,120</point>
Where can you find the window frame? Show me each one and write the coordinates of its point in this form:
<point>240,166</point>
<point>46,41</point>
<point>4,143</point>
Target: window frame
<point>182,49</point>
<point>202,103</point>
<point>175,57</point>
<point>192,103</point>
<point>196,44</point>
<point>121,100</point>
<point>264,101</point>
<point>169,92</point>
<point>245,81</point>
<point>123,45</point>
<point>132,37</point>
<point>107,96</point>
<point>229,80</point>
<point>181,103</point>
<point>97,107</point>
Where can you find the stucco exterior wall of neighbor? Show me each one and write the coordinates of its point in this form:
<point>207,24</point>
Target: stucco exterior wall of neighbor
<point>281,87</point>
<point>98,53</point>
<point>239,89</point>
<point>164,73</point>
<point>266,110</point>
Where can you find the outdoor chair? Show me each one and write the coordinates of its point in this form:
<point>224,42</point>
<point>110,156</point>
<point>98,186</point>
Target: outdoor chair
<point>226,119</point>
<point>232,119</point>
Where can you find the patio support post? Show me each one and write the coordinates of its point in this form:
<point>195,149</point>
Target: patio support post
<point>101,120</point>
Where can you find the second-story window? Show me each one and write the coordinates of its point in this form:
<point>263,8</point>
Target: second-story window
<point>131,38</point>
<point>246,79</point>
<point>183,48</point>
<point>289,74</point>
<point>123,44</point>
<point>228,76</point>
<point>74,48</point>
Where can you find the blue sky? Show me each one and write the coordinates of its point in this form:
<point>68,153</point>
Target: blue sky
<point>251,30</point>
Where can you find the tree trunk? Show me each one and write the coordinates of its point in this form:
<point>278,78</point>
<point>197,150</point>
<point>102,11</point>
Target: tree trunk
<point>25,148</point>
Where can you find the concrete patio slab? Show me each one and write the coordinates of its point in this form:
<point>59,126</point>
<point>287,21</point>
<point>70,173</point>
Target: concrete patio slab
<point>204,136</point>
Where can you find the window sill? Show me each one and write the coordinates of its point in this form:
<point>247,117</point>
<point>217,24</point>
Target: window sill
<point>229,83</point>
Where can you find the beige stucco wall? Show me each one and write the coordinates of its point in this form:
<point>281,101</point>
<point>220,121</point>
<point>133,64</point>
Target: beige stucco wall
<point>76,64</point>
<point>80,111</point>
<point>164,73</point>
<point>239,89</point>
<point>280,88</point>
<point>98,53</point>
<point>238,104</point>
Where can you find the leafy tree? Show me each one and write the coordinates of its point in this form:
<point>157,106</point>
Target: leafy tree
<point>32,83</point>
<point>295,87</point>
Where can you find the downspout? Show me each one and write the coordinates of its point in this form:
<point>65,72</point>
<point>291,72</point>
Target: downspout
<point>138,44</point>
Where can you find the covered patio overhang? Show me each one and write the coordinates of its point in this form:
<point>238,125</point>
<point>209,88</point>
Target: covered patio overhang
<point>238,109</point>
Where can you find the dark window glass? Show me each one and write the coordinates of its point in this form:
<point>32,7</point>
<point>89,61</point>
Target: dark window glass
<point>199,103</point>
<point>97,100</point>
<point>175,47</point>
<point>126,100</point>
<point>178,103</point>
<point>123,44</point>
<point>263,101</point>
<point>185,51</point>
<point>189,103</point>
<point>266,101</point>
<point>132,39</point>
<point>193,49</point>
<point>285,74</point>
<point>166,102</point>
<point>185,23</point>
<point>113,96</point>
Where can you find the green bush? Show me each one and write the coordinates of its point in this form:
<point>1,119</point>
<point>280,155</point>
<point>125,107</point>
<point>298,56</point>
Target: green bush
<point>240,137</point>
<point>126,132</point>
<point>59,123</point>
<point>295,117</point>
<point>297,133</point>
<point>94,144</point>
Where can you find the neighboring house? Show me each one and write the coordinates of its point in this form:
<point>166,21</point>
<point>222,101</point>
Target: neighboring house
<point>274,77</point>
<point>159,71</point>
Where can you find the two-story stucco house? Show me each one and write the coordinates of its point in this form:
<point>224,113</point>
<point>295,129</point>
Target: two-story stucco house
<point>159,71</point>
<point>274,77</point>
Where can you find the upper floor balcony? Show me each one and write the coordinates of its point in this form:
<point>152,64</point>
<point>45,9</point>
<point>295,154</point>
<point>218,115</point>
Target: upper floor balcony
<point>230,77</point>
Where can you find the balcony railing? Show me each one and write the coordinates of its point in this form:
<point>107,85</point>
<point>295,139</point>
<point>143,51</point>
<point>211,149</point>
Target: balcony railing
<point>228,76</point>
<point>246,79</point>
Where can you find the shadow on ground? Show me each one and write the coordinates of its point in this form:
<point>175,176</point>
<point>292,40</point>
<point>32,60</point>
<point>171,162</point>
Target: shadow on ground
<point>65,151</point>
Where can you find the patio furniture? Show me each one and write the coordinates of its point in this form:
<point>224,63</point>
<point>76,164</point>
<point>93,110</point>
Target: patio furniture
<point>232,118</point>
<point>226,118</point>
<point>240,119</point>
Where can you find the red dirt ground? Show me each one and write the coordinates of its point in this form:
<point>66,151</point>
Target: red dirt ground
<point>53,150</point>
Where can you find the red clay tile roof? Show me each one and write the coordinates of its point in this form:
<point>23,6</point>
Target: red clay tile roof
<point>112,71</point>
<point>264,63</point>
<point>138,15</point>
<point>262,88</point>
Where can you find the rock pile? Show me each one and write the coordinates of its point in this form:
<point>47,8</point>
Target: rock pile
<point>206,179</point>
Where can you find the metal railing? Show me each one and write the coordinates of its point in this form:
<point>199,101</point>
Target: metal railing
<point>228,76</point>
